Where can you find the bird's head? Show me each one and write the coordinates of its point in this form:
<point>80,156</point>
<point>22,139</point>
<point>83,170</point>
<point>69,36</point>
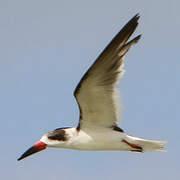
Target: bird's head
<point>56,138</point>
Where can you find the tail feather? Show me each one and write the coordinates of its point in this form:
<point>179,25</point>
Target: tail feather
<point>149,145</point>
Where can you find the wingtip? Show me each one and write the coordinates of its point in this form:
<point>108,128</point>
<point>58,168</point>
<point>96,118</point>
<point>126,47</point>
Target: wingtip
<point>136,17</point>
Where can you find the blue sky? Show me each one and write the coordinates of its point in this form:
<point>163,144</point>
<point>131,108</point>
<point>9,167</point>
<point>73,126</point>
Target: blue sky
<point>46,47</point>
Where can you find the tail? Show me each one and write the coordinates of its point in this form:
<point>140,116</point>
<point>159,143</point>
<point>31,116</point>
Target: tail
<point>149,145</point>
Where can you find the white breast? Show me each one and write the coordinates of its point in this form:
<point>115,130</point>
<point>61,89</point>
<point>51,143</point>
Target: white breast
<point>97,140</point>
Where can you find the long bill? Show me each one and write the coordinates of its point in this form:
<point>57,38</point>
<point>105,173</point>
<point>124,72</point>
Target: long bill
<point>39,146</point>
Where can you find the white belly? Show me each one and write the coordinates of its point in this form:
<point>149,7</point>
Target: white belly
<point>99,140</point>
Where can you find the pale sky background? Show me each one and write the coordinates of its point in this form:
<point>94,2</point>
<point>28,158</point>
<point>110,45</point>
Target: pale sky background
<point>46,47</point>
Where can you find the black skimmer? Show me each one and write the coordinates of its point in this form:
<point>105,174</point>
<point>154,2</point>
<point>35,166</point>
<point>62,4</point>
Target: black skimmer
<point>97,99</point>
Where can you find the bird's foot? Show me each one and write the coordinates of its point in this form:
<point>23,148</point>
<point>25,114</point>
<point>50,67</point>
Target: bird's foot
<point>135,147</point>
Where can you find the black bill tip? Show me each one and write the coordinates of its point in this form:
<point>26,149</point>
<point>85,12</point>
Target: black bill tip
<point>39,146</point>
<point>30,151</point>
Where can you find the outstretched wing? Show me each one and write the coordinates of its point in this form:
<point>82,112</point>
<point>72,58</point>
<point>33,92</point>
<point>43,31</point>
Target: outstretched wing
<point>96,92</point>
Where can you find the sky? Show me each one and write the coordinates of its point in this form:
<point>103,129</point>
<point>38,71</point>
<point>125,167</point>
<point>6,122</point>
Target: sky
<point>47,46</point>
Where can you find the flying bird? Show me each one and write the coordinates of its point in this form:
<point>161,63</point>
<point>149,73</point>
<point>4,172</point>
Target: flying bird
<point>97,98</point>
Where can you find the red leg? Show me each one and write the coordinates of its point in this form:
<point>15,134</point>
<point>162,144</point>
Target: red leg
<point>136,147</point>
